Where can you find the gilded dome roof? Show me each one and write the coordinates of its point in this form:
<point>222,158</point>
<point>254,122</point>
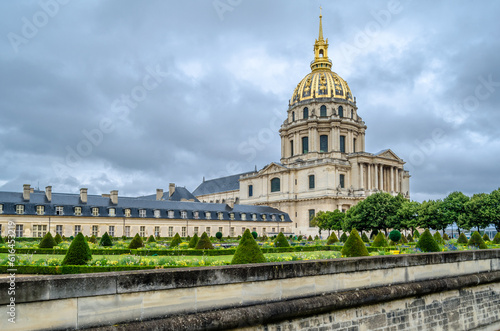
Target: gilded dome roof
<point>321,84</point>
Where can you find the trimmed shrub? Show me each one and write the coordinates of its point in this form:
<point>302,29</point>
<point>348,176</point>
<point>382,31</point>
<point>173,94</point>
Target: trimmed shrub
<point>379,241</point>
<point>106,240</point>
<point>193,241</point>
<point>264,238</point>
<point>309,238</point>
<point>409,238</point>
<point>332,239</point>
<point>78,252</point>
<point>403,240</point>
<point>218,235</point>
<point>476,241</point>
<point>248,250</point>
<point>316,237</point>
<point>136,242</point>
<point>47,241</point>
<point>427,243</point>
<point>204,242</point>
<point>395,235</point>
<point>486,237</point>
<point>416,235</point>
<point>438,238</point>
<point>462,239</point>
<point>496,240</point>
<point>151,239</point>
<point>445,236</point>
<point>373,234</point>
<point>354,246</point>
<point>254,235</point>
<point>58,238</point>
<point>281,241</point>
<point>176,240</point>
<point>343,237</point>
<point>1,240</point>
<point>364,237</point>
<point>300,238</point>
<point>93,239</point>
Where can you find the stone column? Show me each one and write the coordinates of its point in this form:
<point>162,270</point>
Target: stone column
<point>381,179</point>
<point>392,179</point>
<point>375,172</point>
<point>369,171</point>
<point>361,176</point>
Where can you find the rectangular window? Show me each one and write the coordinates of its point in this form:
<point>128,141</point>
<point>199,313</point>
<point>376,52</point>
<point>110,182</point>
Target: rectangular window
<point>78,211</point>
<point>273,230</point>
<point>243,230</point>
<point>157,213</point>
<point>264,231</point>
<point>354,145</point>
<point>59,230</point>
<point>254,217</point>
<point>127,213</point>
<point>342,144</point>
<point>142,213</point>
<point>221,215</point>
<point>95,230</point>
<point>127,231</point>
<point>1,209</point>
<point>311,216</point>
<point>19,209</point>
<point>220,229</point>
<point>195,230</point>
<point>305,145</point>
<point>273,217</point>
<point>40,210</point>
<point>59,210</point>
<point>323,143</point>
<point>170,231</point>
<point>170,214</point>
<point>39,231</point>
<point>311,181</point>
<point>341,180</point>
<point>291,147</point>
<point>243,216</point>
<point>231,232</point>
<point>184,214</point>
<point>95,211</point>
<point>183,232</point>
<point>157,231</point>
<point>111,230</point>
<point>231,216</point>
<point>78,229</point>
<point>142,231</point>
<point>19,230</point>
<point>207,230</point>
<point>283,230</point>
<point>250,190</point>
<point>111,212</point>
<point>254,230</point>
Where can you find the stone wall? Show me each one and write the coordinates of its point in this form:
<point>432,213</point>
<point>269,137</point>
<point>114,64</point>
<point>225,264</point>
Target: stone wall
<point>245,295</point>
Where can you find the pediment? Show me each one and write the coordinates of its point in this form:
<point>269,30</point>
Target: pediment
<point>273,168</point>
<point>388,154</point>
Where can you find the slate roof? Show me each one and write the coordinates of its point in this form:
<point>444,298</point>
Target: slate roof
<point>222,184</point>
<point>9,200</point>
<point>179,194</point>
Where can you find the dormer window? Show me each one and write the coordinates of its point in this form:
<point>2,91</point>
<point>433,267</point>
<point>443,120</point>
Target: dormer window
<point>254,217</point>
<point>78,211</point>
<point>184,214</point>
<point>282,217</point>
<point>142,212</point>
<point>231,216</point>
<point>40,210</point>
<point>170,214</point>
<point>264,217</point>
<point>273,217</point>
<point>111,212</point>
<point>243,216</point>
<point>95,211</point>
<point>1,209</point>
<point>127,213</point>
<point>157,213</point>
<point>59,210</point>
<point>221,215</point>
<point>19,209</point>
<point>208,215</point>
<point>196,215</point>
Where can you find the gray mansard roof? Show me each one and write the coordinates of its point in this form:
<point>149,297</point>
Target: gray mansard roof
<point>180,193</point>
<point>217,185</point>
<point>9,200</point>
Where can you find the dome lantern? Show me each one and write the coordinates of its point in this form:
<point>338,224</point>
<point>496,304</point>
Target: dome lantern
<point>321,60</point>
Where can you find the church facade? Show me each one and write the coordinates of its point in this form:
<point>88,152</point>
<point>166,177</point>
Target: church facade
<point>323,165</point>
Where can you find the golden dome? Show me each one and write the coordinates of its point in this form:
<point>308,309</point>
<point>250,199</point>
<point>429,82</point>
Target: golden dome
<point>321,84</point>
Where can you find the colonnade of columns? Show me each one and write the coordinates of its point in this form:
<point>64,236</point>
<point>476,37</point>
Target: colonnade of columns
<point>381,177</point>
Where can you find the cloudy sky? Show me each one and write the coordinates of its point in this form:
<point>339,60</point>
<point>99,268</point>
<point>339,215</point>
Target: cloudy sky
<point>132,95</point>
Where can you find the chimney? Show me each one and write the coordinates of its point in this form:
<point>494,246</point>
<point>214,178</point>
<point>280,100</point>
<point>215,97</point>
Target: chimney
<point>114,197</point>
<point>26,192</point>
<point>230,203</point>
<point>48,193</point>
<point>159,194</point>
<point>171,189</point>
<point>83,195</point>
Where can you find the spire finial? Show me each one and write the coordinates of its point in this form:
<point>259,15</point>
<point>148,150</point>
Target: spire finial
<point>320,25</point>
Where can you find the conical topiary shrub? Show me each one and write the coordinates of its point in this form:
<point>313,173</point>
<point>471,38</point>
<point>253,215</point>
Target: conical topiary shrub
<point>462,239</point>
<point>476,241</point>
<point>354,246</point>
<point>496,240</point>
<point>409,238</point>
<point>486,237</point>
<point>310,238</point>
<point>416,235</point>
<point>248,250</point>
<point>281,241</point>
<point>78,252</point>
<point>58,239</point>
<point>193,241</point>
<point>204,242</point>
<point>373,234</point>
<point>343,237</point>
<point>379,241</point>
<point>426,243</point>
<point>47,241</point>
<point>106,240</point>
<point>403,240</point>
<point>136,242</point>
<point>445,236</point>
<point>438,238</point>
<point>332,239</point>
<point>1,240</point>
<point>151,239</point>
<point>93,239</point>
<point>176,240</point>
<point>364,237</point>
<point>395,236</point>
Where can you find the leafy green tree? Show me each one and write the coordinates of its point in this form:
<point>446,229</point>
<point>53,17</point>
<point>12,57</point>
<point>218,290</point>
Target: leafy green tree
<point>408,215</point>
<point>427,243</point>
<point>477,212</point>
<point>176,240</point>
<point>431,215</point>
<point>494,210</point>
<point>354,246</point>
<point>329,220</point>
<point>136,242</point>
<point>248,250</point>
<point>454,206</point>
<point>193,241</point>
<point>78,252</point>
<point>106,240</point>
<point>204,242</point>
<point>47,241</point>
<point>281,241</point>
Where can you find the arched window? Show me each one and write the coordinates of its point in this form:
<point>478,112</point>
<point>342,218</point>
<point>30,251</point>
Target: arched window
<point>275,185</point>
<point>321,53</point>
<point>293,116</point>
<point>323,143</point>
<point>306,113</point>
<point>322,111</point>
<point>341,111</point>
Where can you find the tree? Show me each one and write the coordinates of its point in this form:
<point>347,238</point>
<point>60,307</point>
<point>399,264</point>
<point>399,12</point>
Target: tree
<point>494,209</point>
<point>454,206</point>
<point>105,240</point>
<point>477,212</point>
<point>431,215</point>
<point>354,246</point>
<point>78,252</point>
<point>281,241</point>
<point>329,220</point>
<point>408,215</point>
<point>204,242</point>
<point>248,251</point>
<point>47,241</point>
